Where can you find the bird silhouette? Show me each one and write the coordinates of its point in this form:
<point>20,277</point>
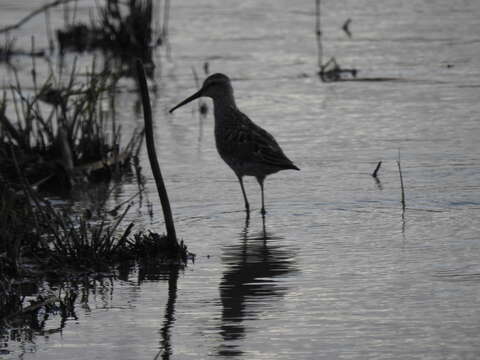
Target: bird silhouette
<point>248,149</point>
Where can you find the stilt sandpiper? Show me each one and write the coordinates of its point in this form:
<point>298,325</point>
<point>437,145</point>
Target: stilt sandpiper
<point>248,149</point>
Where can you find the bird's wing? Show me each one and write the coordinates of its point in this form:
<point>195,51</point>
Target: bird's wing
<point>252,143</point>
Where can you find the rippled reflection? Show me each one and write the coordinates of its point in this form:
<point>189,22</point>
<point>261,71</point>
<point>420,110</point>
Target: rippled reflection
<point>169,317</point>
<point>251,280</point>
<point>51,308</point>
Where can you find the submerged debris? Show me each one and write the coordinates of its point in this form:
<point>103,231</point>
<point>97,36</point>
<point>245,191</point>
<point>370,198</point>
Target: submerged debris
<point>346,27</point>
<point>331,71</point>
<point>377,168</point>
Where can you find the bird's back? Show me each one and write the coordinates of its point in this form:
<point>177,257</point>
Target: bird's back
<point>246,147</point>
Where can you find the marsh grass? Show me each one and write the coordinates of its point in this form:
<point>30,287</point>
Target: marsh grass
<point>61,130</point>
<point>62,133</point>
<point>81,244</point>
<point>35,235</point>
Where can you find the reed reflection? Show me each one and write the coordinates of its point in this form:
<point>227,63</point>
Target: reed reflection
<point>155,271</point>
<point>169,317</point>
<point>250,281</point>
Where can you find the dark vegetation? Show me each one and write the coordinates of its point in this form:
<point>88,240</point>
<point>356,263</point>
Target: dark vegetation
<point>60,140</point>
<point>120,28</point>
<point>56,137</point>
<point>61,136</point>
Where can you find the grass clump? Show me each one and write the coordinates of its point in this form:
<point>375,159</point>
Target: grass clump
<point>149,245</point>
<point>36,238</point>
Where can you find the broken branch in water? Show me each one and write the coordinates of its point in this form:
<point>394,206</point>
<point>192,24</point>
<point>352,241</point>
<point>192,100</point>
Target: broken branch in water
<point>375,172</point>
<point>401,182</point>
<point>331,71</point>
<point>346,27</point>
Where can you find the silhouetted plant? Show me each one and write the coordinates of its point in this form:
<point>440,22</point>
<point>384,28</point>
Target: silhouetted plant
<point>68,139</point>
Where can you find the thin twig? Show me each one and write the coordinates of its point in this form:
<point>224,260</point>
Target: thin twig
<point>318,34</point>
<point>401,182</point>
<point>32,14</point>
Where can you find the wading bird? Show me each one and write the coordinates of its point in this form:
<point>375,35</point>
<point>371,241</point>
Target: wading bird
<point>248,149</point>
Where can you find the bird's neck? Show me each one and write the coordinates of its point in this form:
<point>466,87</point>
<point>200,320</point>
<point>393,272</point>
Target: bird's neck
<point>224,105</point>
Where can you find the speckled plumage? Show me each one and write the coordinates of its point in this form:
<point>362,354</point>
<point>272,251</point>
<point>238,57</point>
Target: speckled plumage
<point>248,149</point>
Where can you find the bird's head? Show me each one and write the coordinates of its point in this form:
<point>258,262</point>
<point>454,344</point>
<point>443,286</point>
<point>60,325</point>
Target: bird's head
<point>215,86</point>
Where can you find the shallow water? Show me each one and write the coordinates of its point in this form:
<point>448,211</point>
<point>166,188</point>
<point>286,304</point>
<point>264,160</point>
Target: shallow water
<point>336,271</point>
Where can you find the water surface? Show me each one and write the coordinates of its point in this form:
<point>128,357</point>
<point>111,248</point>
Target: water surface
<point>336,271</point>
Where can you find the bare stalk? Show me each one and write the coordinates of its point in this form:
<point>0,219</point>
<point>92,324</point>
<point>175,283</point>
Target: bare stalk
<point>162,191</point>
<point>318,34</point>
<point>401,182</point>
<point>41,9</point>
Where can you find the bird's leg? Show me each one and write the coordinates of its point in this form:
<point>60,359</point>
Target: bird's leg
<point>247,206</point>
<point>260,181</point>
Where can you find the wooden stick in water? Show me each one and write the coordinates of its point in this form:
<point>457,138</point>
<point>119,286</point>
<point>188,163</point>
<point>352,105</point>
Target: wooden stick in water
<point>401,182</point>
<point>375,172</point>
<point>162,191</point>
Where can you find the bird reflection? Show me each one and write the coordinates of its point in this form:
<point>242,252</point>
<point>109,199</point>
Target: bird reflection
<point>250,281</point>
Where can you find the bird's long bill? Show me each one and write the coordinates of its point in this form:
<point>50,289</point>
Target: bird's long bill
<point>187,100</point>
